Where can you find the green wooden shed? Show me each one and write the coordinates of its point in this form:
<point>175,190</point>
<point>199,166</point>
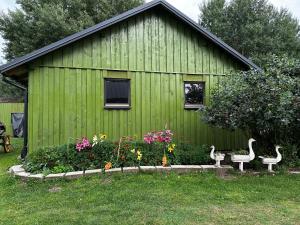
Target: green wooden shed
<point>137,72</point>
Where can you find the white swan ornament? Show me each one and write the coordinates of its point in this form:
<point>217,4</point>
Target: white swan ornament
<point>218,157</point>
<point>241,159</point>
<point>272,161</point>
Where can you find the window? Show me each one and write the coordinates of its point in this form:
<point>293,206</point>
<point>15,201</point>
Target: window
<point>194,94</point>
<point>117,93</point>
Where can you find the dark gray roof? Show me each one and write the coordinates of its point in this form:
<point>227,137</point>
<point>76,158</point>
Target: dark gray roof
<point>98,27</point>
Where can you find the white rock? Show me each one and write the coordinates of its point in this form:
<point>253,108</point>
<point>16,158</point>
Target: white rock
<point>22,174</point>
<point>73,175</point>
<point>214,167</point>
<point>227,167</point>
<point>114,170</point>
<point>186,168</point>
<point>208,167</point>
<point>91,172</point>
<point>16,169</point>
<point>55,176</point>
<point>163,169</point>
<point>148,168</point>
<point>36,176</point>
<point>294,172</point>
<point>130,169</point>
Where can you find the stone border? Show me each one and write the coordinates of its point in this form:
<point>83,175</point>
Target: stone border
<point>294,172</point>
<point>19,171</point>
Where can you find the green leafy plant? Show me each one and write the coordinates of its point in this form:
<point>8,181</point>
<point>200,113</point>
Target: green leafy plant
<point>62,169</point>
<point>192,155</point>
<point>291,155</point>
<point>46,158</point>
<point>264,104</point>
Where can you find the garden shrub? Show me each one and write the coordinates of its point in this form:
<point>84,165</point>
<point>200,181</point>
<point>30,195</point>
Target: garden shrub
<point>102,153</point>
<point>291,155</point>
<point>263,104</point>
<point>47,158</point>
<point>193,155</point>
<point>61,169</point>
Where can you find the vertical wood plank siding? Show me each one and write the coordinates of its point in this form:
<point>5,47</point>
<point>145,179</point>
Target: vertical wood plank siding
<point>158,54</point>
<point>6,109</point>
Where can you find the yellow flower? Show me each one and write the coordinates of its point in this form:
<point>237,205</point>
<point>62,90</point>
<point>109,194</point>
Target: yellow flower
<point>171,147</point>
<point>139,155</point>
<point>139,158</point>
<point>103,137</point>
<point>133,150</point>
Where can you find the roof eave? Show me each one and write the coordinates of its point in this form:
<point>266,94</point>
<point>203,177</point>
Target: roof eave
<point>211,36</point>
<point>98,27</point>
<point>77,36</point>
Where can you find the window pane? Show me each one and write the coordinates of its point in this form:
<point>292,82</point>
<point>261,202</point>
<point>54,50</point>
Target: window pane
<point>194,93</point>
<point>116,91</point>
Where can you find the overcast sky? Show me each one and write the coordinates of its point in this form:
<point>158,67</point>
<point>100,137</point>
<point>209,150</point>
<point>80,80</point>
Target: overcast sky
<point>189,7</point>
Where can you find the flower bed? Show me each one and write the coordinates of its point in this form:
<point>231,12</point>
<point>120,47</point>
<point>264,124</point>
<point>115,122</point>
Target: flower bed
<point>157,149</point>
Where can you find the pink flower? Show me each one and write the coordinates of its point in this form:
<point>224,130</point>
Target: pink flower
<point>161,139</point>
<point>168,132</point>
<point>168,139</point>
<point>79,147</point>
<point>84,144</point>
<point>148,138</point>
<point>160,136</point>
<point>160,133</point>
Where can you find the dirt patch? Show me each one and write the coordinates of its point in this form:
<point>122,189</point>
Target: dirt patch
<point>55,189</point>
<point>106,181</point>
<point>228,177</point>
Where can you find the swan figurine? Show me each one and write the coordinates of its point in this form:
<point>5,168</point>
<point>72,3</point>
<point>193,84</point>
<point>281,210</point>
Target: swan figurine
<point>272,161</point>
<point>241,159</point>
<point>218,157</point>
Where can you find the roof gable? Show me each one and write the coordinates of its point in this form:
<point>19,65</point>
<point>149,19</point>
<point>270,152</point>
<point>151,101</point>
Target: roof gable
<point>98,27</point>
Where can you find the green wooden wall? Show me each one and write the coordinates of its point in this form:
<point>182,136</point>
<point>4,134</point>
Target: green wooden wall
<point>155,51</point>
<point>6,109</point>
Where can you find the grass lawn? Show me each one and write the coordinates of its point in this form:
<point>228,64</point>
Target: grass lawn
<point>149,199</point>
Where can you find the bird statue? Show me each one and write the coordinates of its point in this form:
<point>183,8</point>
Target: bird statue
<point>272,161</point>
<point>241,159</point>
<point>218,157</point>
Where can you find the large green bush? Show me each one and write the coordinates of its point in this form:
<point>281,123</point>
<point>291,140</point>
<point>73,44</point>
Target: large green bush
<point>264,104</point>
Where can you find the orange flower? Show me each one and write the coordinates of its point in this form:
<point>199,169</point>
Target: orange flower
<point>164,161</point>
<point>108,166</point>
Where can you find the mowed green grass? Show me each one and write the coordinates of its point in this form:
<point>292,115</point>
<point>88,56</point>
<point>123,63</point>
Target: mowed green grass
<point>149,199</point>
